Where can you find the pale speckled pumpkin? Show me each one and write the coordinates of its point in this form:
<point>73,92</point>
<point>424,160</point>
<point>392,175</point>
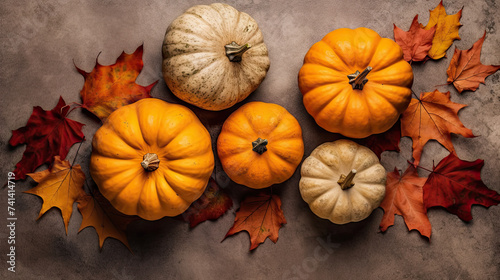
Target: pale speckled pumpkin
<point>342,181</point>
<point>214,56</point>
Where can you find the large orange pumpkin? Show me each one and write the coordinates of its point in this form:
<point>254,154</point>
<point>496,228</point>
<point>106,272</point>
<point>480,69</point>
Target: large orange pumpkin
<point>152,159</point>
<point>355,83</point>
<point>260,145</point>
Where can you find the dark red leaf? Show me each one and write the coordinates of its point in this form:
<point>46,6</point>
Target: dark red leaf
<point>46,135</point>
<point>210,206</point>
<point>456,185</point>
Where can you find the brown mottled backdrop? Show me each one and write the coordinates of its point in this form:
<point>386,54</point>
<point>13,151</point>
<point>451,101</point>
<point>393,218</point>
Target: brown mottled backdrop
<point>40,40</point>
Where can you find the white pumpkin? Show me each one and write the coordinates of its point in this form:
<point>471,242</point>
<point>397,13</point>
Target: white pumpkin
<point>342,181</point>
<point>214,56</point>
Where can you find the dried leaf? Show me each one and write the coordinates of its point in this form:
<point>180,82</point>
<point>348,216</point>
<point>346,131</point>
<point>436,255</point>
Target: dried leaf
<point>433,116</point>
<point>59,188</point>
<point>415,43</point>
<point>98,213</point>
<point>108,88</point>
<point>456,185</point>
<point>466,70</point>
<point>213,203</point>
<point>404,197</point>
<point>46,135</point>
<point>387,141</point>
<point>446,30</point>
<point>261,216</point>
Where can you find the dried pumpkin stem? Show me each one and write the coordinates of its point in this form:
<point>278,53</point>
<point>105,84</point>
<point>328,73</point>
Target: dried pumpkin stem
<point>345,182</point>
<point>259,145</point>
<point>234,51</point>
<point>150,162</point>
<point>358,80</point>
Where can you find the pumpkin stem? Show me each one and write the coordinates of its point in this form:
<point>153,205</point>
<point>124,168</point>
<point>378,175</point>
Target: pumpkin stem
<point>358,80</point>
<point>259,145</point>
<point>345,182</point>
<point>150,162</point>
<point>234,51</point>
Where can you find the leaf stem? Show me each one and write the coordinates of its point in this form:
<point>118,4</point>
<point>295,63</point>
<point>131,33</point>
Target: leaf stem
<point>76,155</point>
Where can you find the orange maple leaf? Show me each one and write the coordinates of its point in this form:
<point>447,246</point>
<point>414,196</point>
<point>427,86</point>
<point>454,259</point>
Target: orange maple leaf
<point>404,197</point>
<point>261,216</point>
<point>466,70</point>
<point>446,30</point>
<point>60,187</point>
<point>415,43</point>
<point>98,213</point>
<point>433,116</point>
<point>108,88</point>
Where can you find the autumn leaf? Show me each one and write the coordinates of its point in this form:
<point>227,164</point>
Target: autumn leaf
<point>108,88</point>
<point>466,70</point>
<point>446,30</point>
<point>60,187</point>
<point>261,216</point>
<point>213,203</point>
<point>456,185</point>
<point>98,213</point>
<point>404,197</point>
<point>415,43</point>
<point>387,141</point>
<point>433,116</point>
<point>46,135</point>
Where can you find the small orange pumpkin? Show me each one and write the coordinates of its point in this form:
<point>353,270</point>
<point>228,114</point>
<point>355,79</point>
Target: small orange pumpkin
<point>355,83</point>
<point>260,145</point>
<point>152,159</point>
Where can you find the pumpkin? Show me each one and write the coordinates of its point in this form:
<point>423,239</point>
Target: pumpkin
<point>355,83</point>
<point>151,159</point>
<point>342,181</point>
<point>260,144</point>
<point>214,56</point>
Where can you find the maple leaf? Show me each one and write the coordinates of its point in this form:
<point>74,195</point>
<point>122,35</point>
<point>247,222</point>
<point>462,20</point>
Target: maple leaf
<point>47,134</point>
<point>404,197</point>
<point>446,30</point>
<point>433,116</point>
<point>456,185</point>
<point>108,88</point>
<point>387,141</point>
<point>60,187</point>
<point>261,216</point>
<point>212,204</point>
<point>98,213</point>
<point>466,70</point>
<point>415,43</point>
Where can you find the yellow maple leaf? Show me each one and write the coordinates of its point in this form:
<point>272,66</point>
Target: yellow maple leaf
<point>60,187</point>
<point>446,30</point>
<point>107,221</point>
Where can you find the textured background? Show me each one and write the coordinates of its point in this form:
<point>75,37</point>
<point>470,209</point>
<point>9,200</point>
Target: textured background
<point>40,40</point>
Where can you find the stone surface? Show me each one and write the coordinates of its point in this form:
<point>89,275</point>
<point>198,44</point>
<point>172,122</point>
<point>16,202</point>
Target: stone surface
<point>40,41</point>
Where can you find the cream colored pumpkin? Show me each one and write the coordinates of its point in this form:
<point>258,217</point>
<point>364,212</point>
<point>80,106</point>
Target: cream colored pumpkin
<point>342,181</point>
<point>214,56</point>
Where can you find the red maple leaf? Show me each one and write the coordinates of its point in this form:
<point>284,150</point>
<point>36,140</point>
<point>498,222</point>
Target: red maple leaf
<point>46,135</point>
<point>415,43</point>
<point>261,216</point>
<point>404,196</point>
<point>456,185</point>
<point>108,88</point>
<point>210,206</point>
<point>466,71</point>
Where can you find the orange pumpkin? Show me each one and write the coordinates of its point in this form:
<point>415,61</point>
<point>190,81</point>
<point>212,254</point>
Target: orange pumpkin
<point>355,83</point>
<point>152,159</point>
<point>260,145</point>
